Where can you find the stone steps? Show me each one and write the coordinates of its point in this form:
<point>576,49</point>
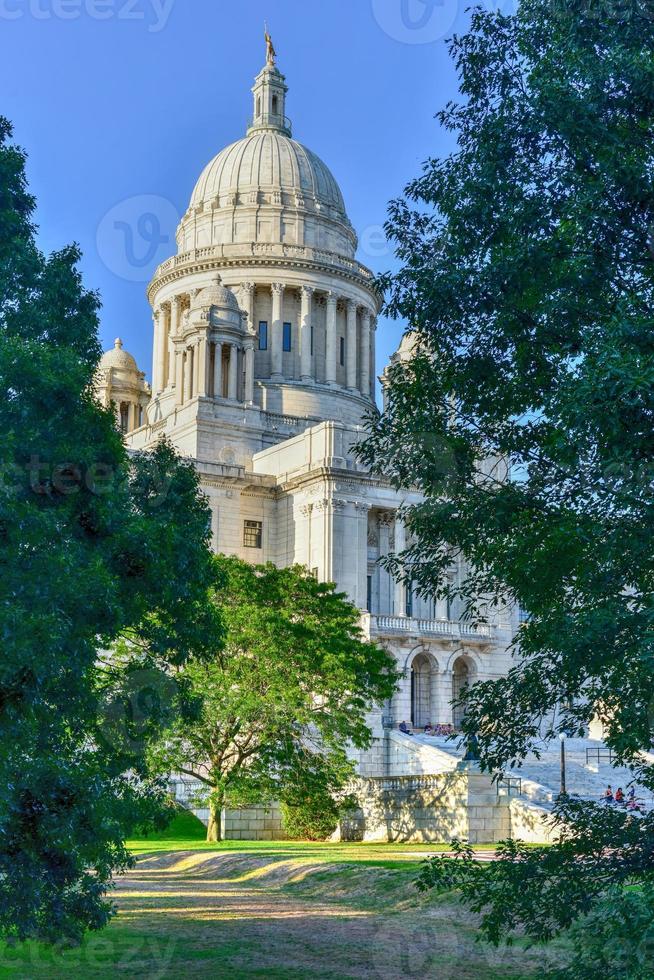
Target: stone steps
<point>541,777</point>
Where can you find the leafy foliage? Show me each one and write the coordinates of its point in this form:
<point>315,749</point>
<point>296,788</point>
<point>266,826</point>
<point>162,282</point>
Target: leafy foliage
<point>316,819</point>
<point>545,889</point>
<point>526,413</point>
<point>91,544</point>
<point>270,714</point>
<point>617,937</point>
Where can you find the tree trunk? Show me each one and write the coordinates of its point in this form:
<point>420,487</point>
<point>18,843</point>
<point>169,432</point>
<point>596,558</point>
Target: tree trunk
<point>214,827</point>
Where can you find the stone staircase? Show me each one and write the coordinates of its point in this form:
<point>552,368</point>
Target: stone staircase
<point>541,777</point>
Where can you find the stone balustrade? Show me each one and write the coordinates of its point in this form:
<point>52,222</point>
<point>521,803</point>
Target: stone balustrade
<point>399,625</point>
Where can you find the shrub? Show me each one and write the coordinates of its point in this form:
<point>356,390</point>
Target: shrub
<point>314,819</point>
<point>616,938</point>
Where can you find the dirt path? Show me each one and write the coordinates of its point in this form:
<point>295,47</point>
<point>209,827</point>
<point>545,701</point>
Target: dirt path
<point>238,915</point>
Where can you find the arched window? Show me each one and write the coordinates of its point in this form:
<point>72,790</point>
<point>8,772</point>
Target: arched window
<point>275,105</point>
<point>124,417</point>
<point>424,690</point>
<point>258,105</point>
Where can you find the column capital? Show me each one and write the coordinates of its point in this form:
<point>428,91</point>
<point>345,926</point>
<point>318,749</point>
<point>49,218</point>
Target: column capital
<point>307,291</point>
<point>247,287</point>
<point>351,304</point>
<point>278,288</point>
<point>332,298</point>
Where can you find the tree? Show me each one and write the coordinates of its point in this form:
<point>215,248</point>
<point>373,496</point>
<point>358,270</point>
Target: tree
<point>91,544</point>
<point>526,415</point>
<point>271,714</point>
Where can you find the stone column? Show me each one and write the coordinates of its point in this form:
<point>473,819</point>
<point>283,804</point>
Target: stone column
<point>365,352</point>
<point>331,346</point>
<point>188,376</point>
<point>385,520</point>
<point>232,392</point>
<point>277,330</point>
<point>196,367</point>
<point>247,292</point>
<point>203,385</point>
<point>400,588</point>
<point>218,370</point>
<point>351,345</point>
<point>249,374</point>
<point>156,318</point>
<point>179,376</point>
<point>175,307</point>
<point>373,355</point>
<point>305,333</point>
<point>172,333</point>
<point>163,350</point>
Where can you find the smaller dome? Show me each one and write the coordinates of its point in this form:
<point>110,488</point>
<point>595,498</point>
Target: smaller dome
<point>408,346</point>
<point>216,295</point>
<point>118,358</point>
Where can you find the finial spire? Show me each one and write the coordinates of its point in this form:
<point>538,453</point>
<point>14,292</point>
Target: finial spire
<point>270,95</point>
<point>271,54</point>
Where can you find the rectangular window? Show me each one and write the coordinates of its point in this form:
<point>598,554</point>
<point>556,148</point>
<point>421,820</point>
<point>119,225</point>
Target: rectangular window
<point>312,339</point>
<point>288,333</point>
<point>409,600</point>
<point>369,594</point>
<point>263,335</point>
<point>342,351</point>
<point>252,534</point>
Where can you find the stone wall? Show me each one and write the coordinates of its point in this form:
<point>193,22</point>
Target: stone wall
<point>532,823</point>
<point>254,823</point>
<point>462,803</point>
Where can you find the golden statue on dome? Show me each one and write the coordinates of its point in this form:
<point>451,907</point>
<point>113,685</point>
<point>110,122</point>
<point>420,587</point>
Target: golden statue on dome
<point>271,54</point>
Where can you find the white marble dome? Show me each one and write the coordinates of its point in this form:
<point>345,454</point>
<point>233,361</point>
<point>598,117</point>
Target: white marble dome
<point>215,294</point>
<point>118,359</point>
<point>267,188</point>
<point>269,161</point>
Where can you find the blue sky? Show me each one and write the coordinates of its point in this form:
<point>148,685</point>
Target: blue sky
<point>121,103</point>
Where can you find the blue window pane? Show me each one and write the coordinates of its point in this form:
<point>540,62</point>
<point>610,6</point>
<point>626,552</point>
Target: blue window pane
<point>263,335</point>
<point>287,337</point>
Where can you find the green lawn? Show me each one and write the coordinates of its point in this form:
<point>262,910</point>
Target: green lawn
<point>291,910</point>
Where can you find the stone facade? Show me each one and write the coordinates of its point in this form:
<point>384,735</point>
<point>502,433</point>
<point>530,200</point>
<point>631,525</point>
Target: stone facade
<point>254,823</point>
<point>263,371</point>
<point>463,803</point>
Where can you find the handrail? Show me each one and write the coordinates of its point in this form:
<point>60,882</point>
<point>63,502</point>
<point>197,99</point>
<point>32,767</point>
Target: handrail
<point>512,785</point>
<point>597,753</point>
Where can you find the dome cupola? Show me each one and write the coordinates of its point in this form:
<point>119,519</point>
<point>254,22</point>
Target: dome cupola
<point>216,302</point>
<point>267,187</point>
<point>120,384</point>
